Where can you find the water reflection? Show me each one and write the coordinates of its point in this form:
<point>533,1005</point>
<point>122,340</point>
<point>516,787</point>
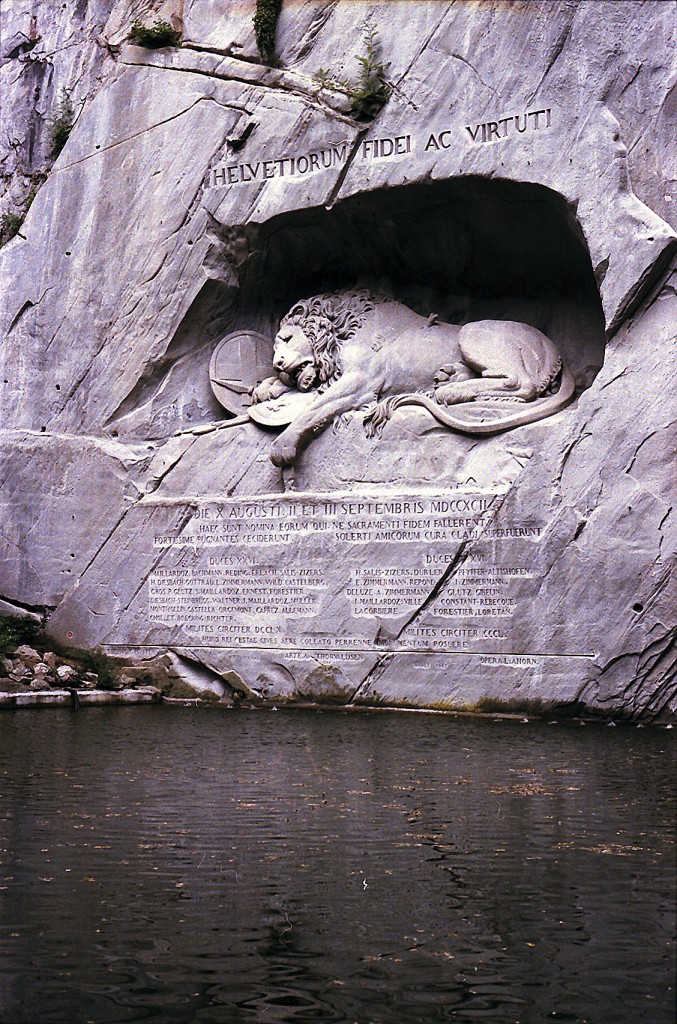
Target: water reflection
<point>180,865</point>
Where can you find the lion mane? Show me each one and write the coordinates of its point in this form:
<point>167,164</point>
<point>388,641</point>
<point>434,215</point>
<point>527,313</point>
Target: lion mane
<point>329,320</point>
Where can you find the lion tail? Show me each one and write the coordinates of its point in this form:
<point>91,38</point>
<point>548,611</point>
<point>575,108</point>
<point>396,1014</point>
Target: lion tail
<point>378,415</point>
<point>528,413</point>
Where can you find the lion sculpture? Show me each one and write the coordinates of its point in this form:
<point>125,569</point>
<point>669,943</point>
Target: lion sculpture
<point>357,349</point>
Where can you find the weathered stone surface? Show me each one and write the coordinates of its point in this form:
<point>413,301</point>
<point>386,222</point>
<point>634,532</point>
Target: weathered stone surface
<point>61,496</point>
<point>520,172</point>
<point>11,610</point>
<point>142,695</point>
<point>64,698</point>
<point>46,48</point>
<point>19,671</point>
<point>66,674</point>
<point>37,699</point>
<point>8,687</point>
<point>28,655</point>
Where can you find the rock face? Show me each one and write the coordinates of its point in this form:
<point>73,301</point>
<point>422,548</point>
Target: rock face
<point>518,172</point>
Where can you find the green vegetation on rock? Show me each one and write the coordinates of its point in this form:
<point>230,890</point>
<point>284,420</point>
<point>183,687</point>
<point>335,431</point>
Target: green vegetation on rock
<point>9,226</point>
<point>371,91</point>
<point>10,223</point>
<point>37,179</point>
<point>265,27</point>
<point>60,124</point>
<point>16,630</point>
<point>156,37</point>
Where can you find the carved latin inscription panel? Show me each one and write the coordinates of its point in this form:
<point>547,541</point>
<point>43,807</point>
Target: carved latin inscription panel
<point>404,573</point>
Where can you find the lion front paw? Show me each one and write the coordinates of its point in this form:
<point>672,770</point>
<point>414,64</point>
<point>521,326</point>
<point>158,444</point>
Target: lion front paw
<point>282,452</point>
<point>271,387</point>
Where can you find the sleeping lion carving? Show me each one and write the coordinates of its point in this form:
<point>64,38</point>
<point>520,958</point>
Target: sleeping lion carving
<point>357,349</point>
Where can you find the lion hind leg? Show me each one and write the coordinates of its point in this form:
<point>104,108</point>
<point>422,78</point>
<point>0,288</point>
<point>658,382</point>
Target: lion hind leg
<point>511,389</point>
<point>452,371</point>
<point>494,388</point>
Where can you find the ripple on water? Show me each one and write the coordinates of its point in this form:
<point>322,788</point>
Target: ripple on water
<point>167,865</point>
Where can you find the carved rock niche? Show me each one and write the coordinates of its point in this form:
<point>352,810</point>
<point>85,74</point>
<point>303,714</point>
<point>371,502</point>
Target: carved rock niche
<point>464,250</point>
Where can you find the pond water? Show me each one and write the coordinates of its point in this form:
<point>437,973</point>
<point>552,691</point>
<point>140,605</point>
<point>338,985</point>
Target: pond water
<point>172,864</point>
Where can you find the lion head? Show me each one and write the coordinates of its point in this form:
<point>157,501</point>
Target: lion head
<point>314,330</point>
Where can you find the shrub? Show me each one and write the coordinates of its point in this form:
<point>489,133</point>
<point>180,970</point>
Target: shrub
<point>15,630</point>
<point>371,91</point>
<point>265,26</point>
<point>10,223</point>
<point>161,34</point>
<point>60,124</point>
<point>37,179</point>
<point>9,226</point>
<point>93,661</point>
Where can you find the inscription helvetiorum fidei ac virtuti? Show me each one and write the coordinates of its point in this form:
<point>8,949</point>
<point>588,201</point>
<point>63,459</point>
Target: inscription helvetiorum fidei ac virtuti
<point>370,407</point>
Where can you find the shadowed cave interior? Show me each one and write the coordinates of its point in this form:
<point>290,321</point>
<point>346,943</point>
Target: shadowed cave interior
<point>466,249</point>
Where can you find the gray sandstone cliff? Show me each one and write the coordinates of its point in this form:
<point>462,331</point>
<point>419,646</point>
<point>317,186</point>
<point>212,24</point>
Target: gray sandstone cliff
<point>522,169</point>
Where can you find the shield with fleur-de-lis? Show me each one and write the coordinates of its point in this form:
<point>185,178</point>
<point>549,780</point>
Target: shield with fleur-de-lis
<point>239,362</point>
